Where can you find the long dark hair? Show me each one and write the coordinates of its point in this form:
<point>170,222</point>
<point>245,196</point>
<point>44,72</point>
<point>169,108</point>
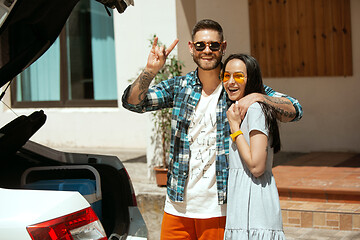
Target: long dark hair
<point>255,84</point>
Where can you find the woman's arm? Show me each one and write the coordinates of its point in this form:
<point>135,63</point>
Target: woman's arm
<point>254,155</point>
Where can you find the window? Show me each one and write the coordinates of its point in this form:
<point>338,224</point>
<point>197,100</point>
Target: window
<point>293,38</point>
<point>78,70</point>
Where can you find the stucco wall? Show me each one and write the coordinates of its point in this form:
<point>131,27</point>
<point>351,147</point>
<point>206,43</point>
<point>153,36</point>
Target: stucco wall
<point>330,104</point>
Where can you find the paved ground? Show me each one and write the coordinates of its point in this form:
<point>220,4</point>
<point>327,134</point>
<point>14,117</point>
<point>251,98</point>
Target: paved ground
<point>150,199</point>
<point>319,234</point>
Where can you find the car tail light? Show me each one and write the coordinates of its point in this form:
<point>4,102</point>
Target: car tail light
<point>83,224</point>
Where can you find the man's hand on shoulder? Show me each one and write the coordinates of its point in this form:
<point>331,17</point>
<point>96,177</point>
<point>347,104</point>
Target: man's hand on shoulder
<point>245,102</point>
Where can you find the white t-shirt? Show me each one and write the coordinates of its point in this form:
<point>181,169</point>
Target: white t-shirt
<point>200,198</point>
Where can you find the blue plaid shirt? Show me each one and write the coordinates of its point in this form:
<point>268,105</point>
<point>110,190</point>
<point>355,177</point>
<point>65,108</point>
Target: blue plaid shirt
<point>183,94</point>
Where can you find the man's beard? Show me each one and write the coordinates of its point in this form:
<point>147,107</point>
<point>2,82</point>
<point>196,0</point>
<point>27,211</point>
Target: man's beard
<point>200,63</point>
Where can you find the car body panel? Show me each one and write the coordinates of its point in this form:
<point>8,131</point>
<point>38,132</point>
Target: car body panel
<point>34,206</point>
<point>137,229</point>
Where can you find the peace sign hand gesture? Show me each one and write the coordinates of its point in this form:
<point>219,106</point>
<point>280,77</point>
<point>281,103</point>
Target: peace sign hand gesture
<point>158,55</point>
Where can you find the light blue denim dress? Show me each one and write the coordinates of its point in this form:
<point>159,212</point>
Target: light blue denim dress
<point>253,206</point>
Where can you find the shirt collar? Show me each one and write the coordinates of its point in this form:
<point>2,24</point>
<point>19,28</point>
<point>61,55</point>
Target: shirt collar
<point>195,78</point>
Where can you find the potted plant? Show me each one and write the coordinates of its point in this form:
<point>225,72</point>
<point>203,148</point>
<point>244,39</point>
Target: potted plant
<point>162,123</point>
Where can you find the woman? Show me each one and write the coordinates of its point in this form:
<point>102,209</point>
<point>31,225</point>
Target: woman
<point>253,206</point>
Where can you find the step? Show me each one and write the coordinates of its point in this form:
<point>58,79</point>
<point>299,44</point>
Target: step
<point>321,215</point>
<point>323,177</point>
<point>322,184</point>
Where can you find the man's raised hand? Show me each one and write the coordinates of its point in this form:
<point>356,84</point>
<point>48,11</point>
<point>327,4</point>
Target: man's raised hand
<point>158,55</point>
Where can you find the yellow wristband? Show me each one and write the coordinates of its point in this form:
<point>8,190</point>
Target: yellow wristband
<point>235,134</point>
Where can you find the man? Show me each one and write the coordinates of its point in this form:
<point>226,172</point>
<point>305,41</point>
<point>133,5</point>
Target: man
<point>195,204</point>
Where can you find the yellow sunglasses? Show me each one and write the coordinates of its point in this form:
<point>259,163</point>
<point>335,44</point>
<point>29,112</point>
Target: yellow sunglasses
<point>239,77</point>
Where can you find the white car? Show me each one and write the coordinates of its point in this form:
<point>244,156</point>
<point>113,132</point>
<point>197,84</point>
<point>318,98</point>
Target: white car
<point>45,193</point>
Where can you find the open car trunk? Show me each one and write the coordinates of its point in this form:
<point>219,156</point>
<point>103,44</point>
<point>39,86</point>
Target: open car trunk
<point>18,155</point>
<point>27,29</point>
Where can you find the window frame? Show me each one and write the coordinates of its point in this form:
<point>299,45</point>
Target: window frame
<point>64,101</point>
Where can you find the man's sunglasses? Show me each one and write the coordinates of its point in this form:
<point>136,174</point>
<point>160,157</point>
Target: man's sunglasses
<point>214,46</point>
<point>239,77</point>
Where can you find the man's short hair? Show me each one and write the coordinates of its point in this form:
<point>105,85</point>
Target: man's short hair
<point>207,24</point>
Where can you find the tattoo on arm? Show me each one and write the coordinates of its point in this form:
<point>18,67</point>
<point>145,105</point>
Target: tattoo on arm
<point>276,100</point>
<point>280,112</point>
<point>143,83</point>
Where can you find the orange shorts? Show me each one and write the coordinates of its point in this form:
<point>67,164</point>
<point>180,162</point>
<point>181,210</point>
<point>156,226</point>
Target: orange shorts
<point>174,227</point>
